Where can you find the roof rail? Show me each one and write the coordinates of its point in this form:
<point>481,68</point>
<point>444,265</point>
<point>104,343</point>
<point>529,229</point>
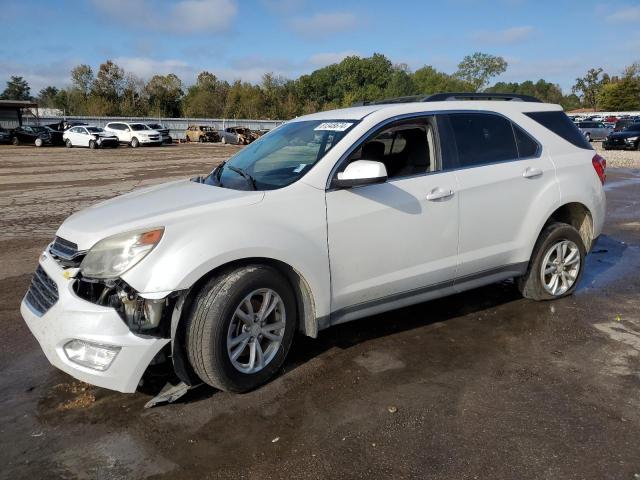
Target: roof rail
<point>444,97</point>
<point>509,97</point>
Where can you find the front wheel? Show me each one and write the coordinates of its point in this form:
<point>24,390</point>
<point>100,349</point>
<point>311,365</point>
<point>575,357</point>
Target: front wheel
<point>588,137</point>
<point>68,143</point>
<point>135,143</point>
<point>240,328</point>
<point>556,264</point>
<point>92,144</point>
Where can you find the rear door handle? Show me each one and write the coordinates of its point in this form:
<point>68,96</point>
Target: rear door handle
<point>439,194</point>
<point>532,172</point>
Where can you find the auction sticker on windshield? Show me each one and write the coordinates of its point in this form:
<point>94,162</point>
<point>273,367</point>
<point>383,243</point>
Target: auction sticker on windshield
<point>334,126</point>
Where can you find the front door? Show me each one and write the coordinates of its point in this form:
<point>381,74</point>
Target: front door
<point>395,242</point>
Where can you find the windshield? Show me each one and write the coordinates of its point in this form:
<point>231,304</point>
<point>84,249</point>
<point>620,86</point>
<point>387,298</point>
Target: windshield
<point>138,126</point>
<point>281,157</point>
<point>633,128</point>
<point>95,129</point>
<point>39,129</point>
<point>154,125</point>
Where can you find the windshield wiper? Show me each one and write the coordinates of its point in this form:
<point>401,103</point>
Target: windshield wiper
<point>250,180</point>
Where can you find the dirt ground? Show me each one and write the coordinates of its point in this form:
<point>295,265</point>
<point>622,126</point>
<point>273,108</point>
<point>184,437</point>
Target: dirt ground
<point>481,385</point>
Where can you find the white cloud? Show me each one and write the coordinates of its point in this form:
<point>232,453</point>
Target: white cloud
<point>625,15</point>
<point>326,58</point>
<point>182,17</point>
<point>38,76</point>
<point>145,68</point>
<point>503,37</point>
<point>283,6</point>
<point>324,24</point>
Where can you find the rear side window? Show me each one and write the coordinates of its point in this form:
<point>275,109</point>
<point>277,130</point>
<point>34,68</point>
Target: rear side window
<point>527,147</point>
<point>561,125</point>
<point>482,138</point>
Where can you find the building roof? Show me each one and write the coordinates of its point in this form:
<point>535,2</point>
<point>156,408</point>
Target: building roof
<point>17,104</point>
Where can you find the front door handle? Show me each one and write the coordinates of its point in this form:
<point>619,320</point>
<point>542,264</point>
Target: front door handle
<point>532,172</point>
<point>439,194</point>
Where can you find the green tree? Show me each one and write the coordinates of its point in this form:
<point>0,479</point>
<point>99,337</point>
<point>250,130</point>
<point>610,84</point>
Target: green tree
<point>82,79</point>
<point>164,93</point>
<point>207,98</point>
<point>428,80</point>
<point>479,68</point>
<point>589,86</point>
<point>133,101</point>
<point>17,89</point>
<point>622,93</point>
<point>47,97</point>
<point>108,87</point>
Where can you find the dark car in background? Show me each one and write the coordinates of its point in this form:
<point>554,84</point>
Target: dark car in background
<point>5,136</point>
<point>35,135</point>
<point>623,123</point>
<point>627,139</point>
<point>166,136</point>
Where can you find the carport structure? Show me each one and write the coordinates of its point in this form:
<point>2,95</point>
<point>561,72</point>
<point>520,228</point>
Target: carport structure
<point>11,112</point>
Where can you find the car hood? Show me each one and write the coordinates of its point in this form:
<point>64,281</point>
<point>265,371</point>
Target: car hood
<point>624,134</point>
<point>161,205</point>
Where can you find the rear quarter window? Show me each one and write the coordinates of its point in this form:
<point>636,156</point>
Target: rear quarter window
<point>561,125</point>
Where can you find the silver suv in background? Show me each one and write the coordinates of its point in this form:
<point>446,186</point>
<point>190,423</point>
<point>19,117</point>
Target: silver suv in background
<point>594,130</point>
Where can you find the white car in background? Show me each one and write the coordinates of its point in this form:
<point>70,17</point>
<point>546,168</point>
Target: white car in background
<point>89,136</point>
<point>134,133</point>
<point>329,218</point>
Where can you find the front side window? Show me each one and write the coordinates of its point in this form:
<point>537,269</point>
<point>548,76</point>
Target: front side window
<point>281,157</point>
<point>136,127</point>
<point>481,138</point>
<point>94,129</point>
<point>406,148</point>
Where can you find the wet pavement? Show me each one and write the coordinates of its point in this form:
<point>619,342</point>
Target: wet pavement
<point>483,384</point>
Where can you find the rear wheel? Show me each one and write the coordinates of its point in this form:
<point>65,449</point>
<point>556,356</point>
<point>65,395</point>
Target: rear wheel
<point>588,137</point>
<point>224,140</point>
<point>240,328</point>
<point>68,143</point>
<point>15,141</point>
<point>39,142</point>
<point>135,143</point>
<point>202,139</point>
<point>556,264</point>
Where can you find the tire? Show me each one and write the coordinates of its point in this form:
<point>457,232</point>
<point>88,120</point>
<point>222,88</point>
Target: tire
<point>213,321</point>
<point>202,139</point>
<point>38,142</point>
<point>92,144</point>
<point>535,284</point>
<point>15,141</point>
<point>68,143</point>
<point>135,143</point>
<point>224,140</point>
<point>588,137</point>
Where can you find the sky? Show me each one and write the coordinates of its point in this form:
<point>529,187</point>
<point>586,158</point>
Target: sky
<point>557,40</point>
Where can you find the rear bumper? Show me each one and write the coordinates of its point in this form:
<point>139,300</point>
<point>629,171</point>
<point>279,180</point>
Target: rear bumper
<point>74,318</point>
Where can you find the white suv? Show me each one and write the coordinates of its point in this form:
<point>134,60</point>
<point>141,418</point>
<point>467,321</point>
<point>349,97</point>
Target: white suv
<point>134,134</point>
<point>329,218</point>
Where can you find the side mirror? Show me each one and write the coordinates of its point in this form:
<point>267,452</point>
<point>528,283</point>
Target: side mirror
<point>361,172</point>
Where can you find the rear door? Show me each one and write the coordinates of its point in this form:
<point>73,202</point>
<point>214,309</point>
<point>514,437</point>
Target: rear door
<point>502,173</point>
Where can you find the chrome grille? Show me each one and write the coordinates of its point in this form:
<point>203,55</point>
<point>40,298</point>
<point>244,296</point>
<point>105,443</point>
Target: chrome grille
<point>43,292</point>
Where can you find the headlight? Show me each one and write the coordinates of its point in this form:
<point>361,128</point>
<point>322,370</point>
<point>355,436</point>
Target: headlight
<point>112,256</point>
<point>632,139</point>
<point>91,355</point>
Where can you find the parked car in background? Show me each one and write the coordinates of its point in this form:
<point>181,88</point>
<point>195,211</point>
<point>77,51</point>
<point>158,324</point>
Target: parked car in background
<point>330,218</point>
<point>623,123</point>
<point>34,135</point>
<point>65,125</point>
<point>164,132</point>
<point>92,137</point>
<point>202,134</point>
<point>237,136</point>
<point>5,136</point>
<point>593,130</point>
<point>134,134</point>
<point>627,139</point>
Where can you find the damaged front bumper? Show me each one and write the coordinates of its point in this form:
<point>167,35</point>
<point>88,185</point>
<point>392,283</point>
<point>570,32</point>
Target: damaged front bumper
<point>75,323</point>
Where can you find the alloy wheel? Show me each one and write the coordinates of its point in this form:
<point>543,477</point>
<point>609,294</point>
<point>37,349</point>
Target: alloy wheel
<point>560,267</point>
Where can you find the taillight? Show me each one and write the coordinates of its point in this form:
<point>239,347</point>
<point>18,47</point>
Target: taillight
<point>600,166</point>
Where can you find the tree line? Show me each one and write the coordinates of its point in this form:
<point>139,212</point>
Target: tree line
<point>113,91</point>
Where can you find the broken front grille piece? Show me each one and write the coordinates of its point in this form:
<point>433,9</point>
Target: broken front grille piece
<point>43,292</point>
<point>66,252</point>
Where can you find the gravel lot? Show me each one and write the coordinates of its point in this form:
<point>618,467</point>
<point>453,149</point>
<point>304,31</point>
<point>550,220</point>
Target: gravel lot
<point>619,158</point>
<point>483,384</point>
